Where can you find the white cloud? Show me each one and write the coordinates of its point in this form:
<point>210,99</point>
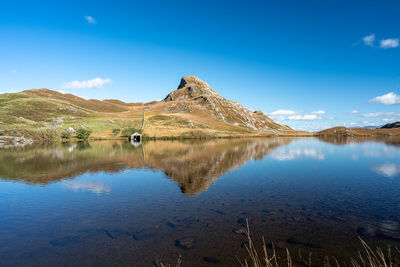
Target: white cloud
<point>90,20</point>
<point>387,119</point>
<point>318,112</point>
<point>355,112</point>
<point>93,83</point>
<point>331,118</point>
<point>388,169</point>
<point>369,40</point>
<point>389,43</point>
<point>13,70</point>
<point>387,99</point>
<point>379,114</point>
<point>307,117</point>
<point>283,112</point>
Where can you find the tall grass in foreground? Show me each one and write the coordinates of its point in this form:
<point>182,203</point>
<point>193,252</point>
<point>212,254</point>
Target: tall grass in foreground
<point>159,263</point>
<point>368,257</point>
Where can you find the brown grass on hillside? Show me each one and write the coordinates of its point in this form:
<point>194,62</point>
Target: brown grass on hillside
<point>117,102</point>
<point>91,104</point>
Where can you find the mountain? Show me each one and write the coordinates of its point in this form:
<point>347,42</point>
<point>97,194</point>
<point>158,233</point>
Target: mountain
<point>194,109</point>
<point>391,125</point>
<point>194,95</point>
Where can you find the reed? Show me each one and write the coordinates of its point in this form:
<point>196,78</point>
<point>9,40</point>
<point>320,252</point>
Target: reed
<point>367,257</point>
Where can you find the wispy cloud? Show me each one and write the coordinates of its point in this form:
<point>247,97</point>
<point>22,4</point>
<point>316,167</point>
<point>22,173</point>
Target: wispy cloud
<point>283,112</point>
<point>286,114</point>
<point>380,114</point>
<point>307,117</point>
<point>387,99</point>
<point>90,20</point>
<point>93,83</point>
<point>320,112</point>
<point>280,114</point>
<point>355,111</point>
<point>369,39</point>
<point>13,70</point>
<point>387,119</point>
<point>389,43</point>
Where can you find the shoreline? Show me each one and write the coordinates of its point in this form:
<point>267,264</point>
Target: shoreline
<point>15,141</point>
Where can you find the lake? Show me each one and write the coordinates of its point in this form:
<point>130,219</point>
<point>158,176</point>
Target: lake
<point>115,203</point>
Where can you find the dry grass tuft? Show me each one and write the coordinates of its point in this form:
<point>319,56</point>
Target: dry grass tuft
<point>367,258</point>
<point>376,257</point>
<point>159,263</point>
<point>265,259</point>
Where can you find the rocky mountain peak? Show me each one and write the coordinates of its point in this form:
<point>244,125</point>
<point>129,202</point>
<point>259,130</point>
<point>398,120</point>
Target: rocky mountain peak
<point>191,87</point>
<point>204,99</point>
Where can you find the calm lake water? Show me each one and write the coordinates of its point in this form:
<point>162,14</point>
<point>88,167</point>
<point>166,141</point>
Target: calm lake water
<point>111,203</point>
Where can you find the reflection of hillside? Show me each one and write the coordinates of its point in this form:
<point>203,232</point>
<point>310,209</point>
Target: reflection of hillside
<point>198,165</point>
<point>343,140</point>
<point>194,165</point>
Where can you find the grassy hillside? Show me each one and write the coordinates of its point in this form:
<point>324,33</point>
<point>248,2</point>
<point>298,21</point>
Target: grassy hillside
<point>91,104</point>
<point>193,110</point>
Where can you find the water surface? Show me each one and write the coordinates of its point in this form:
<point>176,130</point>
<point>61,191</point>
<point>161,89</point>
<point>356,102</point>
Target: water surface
<point>105,203</point>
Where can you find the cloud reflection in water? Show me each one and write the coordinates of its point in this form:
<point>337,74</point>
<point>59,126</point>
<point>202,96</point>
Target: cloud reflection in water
<point>283,154</point>
<point>387,169</point>
<point>94,187</point>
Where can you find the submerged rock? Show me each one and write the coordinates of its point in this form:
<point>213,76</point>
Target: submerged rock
<point>239,231</point>
<point>185,242</point>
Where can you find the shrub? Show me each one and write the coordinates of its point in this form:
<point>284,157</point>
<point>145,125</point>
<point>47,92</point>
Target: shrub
<point>83,133</point>
<point>116,131</point>
<point>66,135</point>
<point>1,132</point>
<point>130,131</point>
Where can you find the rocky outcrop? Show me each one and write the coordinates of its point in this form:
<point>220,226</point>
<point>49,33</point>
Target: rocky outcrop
<point>194,94</point>
<point>191,87</point>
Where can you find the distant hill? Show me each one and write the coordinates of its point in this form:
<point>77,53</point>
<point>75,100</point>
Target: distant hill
<point>391,125</point>
<point>351,132</point>
<point>193,109</point>
<point>370,127</point>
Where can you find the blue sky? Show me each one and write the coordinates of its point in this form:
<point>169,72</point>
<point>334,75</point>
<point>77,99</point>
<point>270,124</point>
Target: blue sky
<point>308,64</point>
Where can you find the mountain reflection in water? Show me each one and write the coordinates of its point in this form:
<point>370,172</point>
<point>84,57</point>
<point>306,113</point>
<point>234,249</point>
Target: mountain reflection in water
<point>110,203</point>
<point>193,165</point>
